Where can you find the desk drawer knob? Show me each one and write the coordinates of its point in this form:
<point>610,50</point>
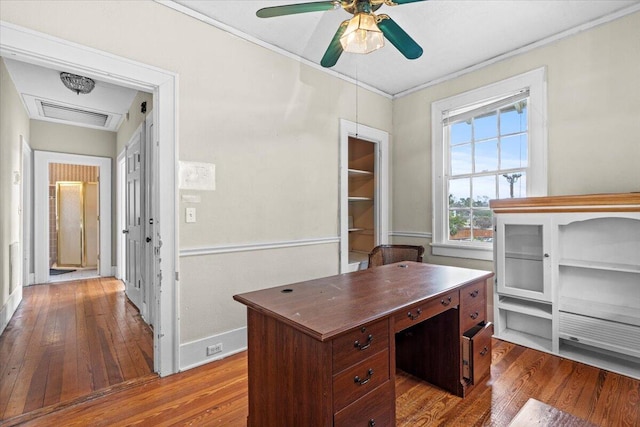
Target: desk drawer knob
<point>372,423</point>
<point>364,346</point>
<point>475,315</point>
<point>363,381</point>
<point>474,293</point>
<point>484,351</point>
<point>412,316</point>
<point>445,301</point>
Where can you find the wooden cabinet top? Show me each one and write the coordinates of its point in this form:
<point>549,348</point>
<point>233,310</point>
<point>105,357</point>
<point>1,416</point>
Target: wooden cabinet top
<point>610,202</point>
<point>326,307</point>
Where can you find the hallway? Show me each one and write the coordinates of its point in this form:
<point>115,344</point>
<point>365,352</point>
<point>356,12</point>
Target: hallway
<point>68,340</point>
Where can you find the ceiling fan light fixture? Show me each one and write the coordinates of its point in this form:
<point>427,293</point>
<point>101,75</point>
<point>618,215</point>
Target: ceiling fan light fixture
<point>362,34</point>
<point>76,83</point>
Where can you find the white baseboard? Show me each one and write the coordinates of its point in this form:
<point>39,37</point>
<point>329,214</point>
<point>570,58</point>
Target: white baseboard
<point>10,308</point>
<point>194,353</point>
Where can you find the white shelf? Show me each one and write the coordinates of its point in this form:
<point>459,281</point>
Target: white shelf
<point>360,199</point>
<point>525,339</point>
<point>602,359</point>
<point>357,173</point>
<point>612,312</point>
<point>531,308</point>
<point>355,229</point>
<point>529,257</point>
<point>598,265</point>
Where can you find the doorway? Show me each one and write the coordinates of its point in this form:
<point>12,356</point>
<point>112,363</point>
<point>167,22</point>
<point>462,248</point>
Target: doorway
<point>73,222</point>
<point>364,193</point>
<point>41,49</point>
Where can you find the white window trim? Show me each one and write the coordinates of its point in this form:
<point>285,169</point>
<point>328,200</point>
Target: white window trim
<point>536,82</point>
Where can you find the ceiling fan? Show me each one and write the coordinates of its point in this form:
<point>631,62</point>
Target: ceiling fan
<point>363,33</point>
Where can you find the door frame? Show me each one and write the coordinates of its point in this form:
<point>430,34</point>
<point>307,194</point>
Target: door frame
<point>37,48</point>
<point>41,161</point>
<point>121,251</point>
<point>27,218</point>
<point>381,139</point>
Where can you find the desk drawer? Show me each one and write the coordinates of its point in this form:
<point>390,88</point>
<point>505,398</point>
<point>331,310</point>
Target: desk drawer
<point>373,409</point>
<point>476,352</point>
<point>420,312</point>
<point>472,306</point>
<point>355,382</point>
<point>360,343</point>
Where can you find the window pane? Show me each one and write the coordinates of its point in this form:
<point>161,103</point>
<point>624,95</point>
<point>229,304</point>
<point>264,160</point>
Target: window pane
<point>513,152</point>
<point>460,132</point>
<point>519,185</point>
<point>484,189</point>
<point>485,127</point>
<point>459,225</point>
<point>514,118</point>
<point>461,159</point>
<point>486,156</point>
<point>482,225</point>
<point>459,193</point>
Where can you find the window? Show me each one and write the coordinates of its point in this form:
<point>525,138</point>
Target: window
<point>488,143</point>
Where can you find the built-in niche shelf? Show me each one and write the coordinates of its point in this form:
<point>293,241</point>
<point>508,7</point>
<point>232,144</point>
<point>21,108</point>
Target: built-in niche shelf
<point>598,265</point>
<point>361,197</point>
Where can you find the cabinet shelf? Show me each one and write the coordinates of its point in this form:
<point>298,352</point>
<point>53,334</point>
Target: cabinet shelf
<point>360,199</point>
<point>531,308</point>
<point>598,265</point>
<point>353,230</point>
<point>358,173</point>
<point>612,312</point>
<point>525,339</point>
<point>607,360</point>
<point>528,257</point>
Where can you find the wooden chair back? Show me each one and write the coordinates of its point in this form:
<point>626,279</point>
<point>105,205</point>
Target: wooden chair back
<point>388,254</point>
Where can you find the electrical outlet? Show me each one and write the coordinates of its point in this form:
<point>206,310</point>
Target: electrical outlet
<point>214,349</point>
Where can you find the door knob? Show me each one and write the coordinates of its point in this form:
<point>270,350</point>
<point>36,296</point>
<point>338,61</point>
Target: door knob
<point>148,239</point>
<point>125,231</point>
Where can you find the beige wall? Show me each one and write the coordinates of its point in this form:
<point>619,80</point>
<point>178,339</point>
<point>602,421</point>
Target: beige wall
<point>14,122</point>
<point>59,138</point>
<point>130,124</point>
<point>593,84</point>
<point>268,123</point>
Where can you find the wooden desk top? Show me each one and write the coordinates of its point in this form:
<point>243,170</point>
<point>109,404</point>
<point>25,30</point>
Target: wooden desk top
<point>324,308</point>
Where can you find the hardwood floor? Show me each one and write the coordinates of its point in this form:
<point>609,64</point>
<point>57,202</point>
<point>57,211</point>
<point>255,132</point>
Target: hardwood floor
<point>69,340</point>
<point>216,395</point>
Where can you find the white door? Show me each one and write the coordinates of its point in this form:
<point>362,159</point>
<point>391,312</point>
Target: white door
<point>133,230</point>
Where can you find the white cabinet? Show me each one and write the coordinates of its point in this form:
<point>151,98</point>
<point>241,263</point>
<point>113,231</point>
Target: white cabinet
<point>568,277</point>
<point>523,262</point>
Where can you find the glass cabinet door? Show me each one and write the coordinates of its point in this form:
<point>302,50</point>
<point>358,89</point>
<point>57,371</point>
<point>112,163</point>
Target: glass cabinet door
<point>523,256</point>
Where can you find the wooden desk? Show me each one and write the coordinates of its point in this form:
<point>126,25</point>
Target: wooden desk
<point>324,352</point>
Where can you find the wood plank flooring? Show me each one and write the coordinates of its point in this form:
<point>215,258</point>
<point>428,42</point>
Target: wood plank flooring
<point>68,340</point>
<point>216,395</point>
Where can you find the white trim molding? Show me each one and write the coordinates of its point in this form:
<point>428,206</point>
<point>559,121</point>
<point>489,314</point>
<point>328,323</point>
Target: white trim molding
<point>23,44</point>
<point>194,353</point>
<point>536,82</point>
<point>413,234</point>
<point>41,162</point>
<point>381,215</point>
<point>10,307</point>
<point>249,247</point>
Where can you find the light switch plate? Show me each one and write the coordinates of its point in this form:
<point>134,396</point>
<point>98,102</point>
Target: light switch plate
<point>190,215</point>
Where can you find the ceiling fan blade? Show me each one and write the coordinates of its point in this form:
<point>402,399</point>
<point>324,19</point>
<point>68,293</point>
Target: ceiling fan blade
<point>334,50</point>
<point>399,38</point>
<point>406,1</point>
<point>290,9</point>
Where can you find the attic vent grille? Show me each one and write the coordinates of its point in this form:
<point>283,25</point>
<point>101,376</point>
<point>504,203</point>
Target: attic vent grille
<point>70,114</point>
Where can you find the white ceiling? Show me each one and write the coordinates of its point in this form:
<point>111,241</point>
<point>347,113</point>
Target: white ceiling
<point>455,35</point>
<point>35,83</point>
